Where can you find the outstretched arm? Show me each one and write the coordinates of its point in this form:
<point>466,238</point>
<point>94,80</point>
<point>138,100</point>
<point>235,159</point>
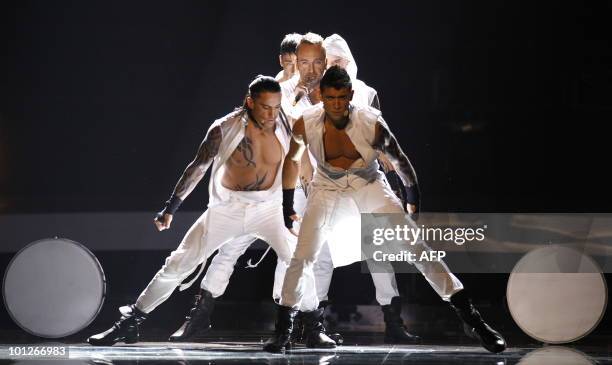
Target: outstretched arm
<point>191,177</point>
<point>197,168</point>
<point>386,142</point>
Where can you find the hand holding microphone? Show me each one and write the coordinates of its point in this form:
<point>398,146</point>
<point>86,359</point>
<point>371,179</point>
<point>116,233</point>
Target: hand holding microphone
<point>300,91</point>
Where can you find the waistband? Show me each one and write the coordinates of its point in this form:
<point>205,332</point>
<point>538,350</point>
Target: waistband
<point>259,196</point>
<point>368,173</point>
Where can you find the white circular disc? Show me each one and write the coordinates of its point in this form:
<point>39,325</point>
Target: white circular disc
<point>54,287</point>
<point>551,304</point>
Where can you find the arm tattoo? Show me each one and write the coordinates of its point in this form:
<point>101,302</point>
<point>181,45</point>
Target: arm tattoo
<point>246,148</point>
<point>387,144</point>
<point>256,185</point>
<point>197,168</point>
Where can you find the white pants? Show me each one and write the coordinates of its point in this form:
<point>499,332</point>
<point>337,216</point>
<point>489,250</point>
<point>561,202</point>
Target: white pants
<point>244,214</point>
<point>384,282</point>
<point>324,211</point>
<point>222,267</point>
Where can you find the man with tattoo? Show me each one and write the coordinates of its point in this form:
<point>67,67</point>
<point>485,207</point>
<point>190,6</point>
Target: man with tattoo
<point>246,149</point>
<point>313,54</point>
<point>345,140</point>
<point>222,265</point>
<point>287,57</point>
<point>383,276</point>
<point>214,283</point>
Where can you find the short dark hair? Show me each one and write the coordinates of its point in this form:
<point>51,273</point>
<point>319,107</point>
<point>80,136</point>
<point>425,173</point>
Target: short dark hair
<point>336,77</point>
<point>290,43</point>
<point>261,84</point>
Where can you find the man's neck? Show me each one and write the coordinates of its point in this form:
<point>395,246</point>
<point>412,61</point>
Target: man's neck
<point>261,127</point>
<point>340,124</point>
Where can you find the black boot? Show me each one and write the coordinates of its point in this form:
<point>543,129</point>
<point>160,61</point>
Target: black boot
<point>338,339</point>
<point>297,336</point>
<point>283,328</point>
<point>197,321</point>
<point>473,324</point>
<point>125,329</point>
<point>395,331</point>
<point>314,331</point>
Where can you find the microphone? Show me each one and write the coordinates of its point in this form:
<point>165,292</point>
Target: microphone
<point>298,96</point>
<point>348,110</point>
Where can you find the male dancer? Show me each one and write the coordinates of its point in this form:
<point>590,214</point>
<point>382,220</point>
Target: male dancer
<point>214,283</point>
<point>345,140</point>
<point>312,53</point>
<point>246,149</point>
<point>339,54</point>
<point>222,265</point>
<point>221,268</point>
<point>287,57</point>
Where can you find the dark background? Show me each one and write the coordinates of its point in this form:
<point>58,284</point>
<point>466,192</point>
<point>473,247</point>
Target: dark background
<point>102,104</point>
<point>501,106</point>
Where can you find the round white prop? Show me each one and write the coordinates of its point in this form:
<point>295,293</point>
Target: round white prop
<point>54,287</point>
<point>557,294</point>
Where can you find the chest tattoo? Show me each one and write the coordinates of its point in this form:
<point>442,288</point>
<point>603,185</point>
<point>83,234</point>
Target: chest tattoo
<point>245,147</point>
<point>254,186</point>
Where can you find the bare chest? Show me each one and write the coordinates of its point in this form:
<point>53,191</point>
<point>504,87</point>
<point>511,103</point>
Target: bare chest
<point>338,145</point>
<point>257,149</point>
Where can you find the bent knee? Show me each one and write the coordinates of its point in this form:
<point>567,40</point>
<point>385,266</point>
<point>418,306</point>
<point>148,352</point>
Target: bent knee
<point>391,207</point>
<point>179,264</point>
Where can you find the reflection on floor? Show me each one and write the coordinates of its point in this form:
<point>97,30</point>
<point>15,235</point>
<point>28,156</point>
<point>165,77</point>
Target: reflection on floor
<point>250,353</point>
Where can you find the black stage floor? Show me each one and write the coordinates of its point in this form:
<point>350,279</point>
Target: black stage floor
<point>243,350</point>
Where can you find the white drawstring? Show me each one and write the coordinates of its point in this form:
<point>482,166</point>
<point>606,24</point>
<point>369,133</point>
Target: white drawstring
<point>251,266</point>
